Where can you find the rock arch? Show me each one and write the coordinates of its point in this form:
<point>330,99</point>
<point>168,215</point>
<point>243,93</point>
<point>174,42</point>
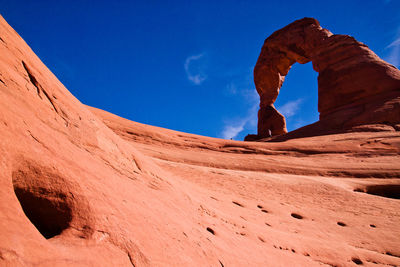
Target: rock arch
<point>355,86</point>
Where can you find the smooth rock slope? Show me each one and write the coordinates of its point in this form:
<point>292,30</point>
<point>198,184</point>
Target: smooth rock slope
<point>82,187</point>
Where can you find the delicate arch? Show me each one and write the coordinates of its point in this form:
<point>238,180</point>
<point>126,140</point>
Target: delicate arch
<point>348,73</point>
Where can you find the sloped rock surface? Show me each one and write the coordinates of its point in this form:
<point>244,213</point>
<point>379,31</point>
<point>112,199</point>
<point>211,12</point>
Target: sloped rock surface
<point>82,187</point>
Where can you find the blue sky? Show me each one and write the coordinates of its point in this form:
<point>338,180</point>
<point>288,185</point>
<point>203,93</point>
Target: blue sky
<point>187,65</point>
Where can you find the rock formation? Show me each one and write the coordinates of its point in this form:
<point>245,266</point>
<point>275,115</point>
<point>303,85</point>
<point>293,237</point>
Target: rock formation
<point>355,86</point>
<point>82,187</point>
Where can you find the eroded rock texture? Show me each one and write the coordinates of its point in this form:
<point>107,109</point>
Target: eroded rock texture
<point>355,86</point>
<point>83,187</point>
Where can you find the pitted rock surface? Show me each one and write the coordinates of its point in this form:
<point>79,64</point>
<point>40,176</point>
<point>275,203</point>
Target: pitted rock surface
<point>82,187</point>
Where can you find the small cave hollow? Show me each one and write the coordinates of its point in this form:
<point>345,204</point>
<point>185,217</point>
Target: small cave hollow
<point>357,261</point>
<point>49,212</point>
<point>210,230</point>
<point>297,216</point>
<point>383,190</point>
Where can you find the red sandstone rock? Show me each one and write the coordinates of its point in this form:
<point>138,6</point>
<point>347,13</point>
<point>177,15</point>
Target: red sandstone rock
<point>355,86</point>
<point>273,123</point>
<point>82,187</point>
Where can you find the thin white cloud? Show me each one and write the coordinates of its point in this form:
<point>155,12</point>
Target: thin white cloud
<point>232,131</point>
<point>393,50</point>
<point>232,88</point>
<point>394,43</point>
<point>290,108</point>
<point>394,54</point>
<point>195,74</point>
<point>240,81</point>
<point>234,127</point>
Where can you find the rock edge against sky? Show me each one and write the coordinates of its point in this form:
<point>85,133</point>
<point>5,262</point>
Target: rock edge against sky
<point>83,187</point>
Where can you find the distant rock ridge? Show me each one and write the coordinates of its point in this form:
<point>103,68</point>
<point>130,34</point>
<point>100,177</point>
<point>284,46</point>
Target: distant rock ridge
<point>355,86</point>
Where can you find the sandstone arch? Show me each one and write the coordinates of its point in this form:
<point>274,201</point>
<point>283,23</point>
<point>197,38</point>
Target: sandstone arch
<point>355,86</point>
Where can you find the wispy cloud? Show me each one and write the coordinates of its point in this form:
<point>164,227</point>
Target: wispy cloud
<point>394,54</point>
<point>232,88</point>
<point>231,131</point>
<point>290,108</point>
<point>394,43</point>
<point>240,80</point>
<point>195,72</point>
<point>234,127</point>
<point>393,49</point>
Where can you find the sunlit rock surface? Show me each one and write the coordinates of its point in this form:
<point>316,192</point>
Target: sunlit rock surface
<point>355,86</point>
<point>82,187</point>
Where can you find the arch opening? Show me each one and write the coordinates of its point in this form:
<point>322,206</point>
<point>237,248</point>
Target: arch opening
<point>355,86</point>
<point>298,99</point>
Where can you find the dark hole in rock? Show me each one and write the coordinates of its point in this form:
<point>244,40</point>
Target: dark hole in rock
<point>297,216</point>
<point>372,225</point>
<point>341,223</point>
<point>265,211</point>
<point>49,212</point>
<point>237,203</point>
<point>259,206</point>
<point>383,190</point>
<point>357,261</point>
<point>210,230</point>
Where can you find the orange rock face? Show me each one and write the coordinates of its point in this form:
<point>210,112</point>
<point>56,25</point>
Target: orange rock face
<point>82,187</point>
<point>355,86</point>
